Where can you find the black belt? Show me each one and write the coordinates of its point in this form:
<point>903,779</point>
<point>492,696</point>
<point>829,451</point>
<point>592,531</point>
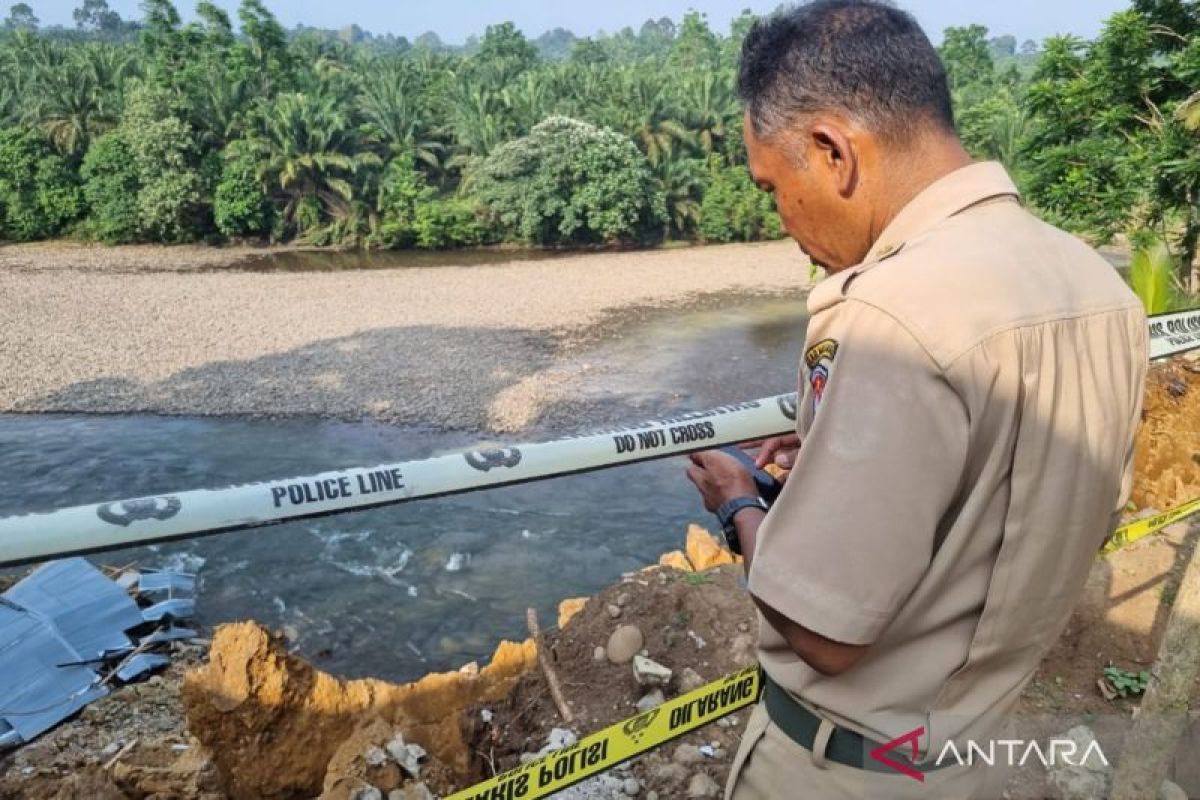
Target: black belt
<point>844,746</point>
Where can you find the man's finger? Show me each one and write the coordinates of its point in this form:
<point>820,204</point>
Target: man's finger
<point>767,453</point>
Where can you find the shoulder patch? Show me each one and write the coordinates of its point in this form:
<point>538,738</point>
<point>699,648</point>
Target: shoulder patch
<point>823,350</point>
<point>819,360</point>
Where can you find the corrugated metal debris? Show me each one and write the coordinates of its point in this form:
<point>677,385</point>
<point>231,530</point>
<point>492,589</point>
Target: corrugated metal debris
<point>68,633</point>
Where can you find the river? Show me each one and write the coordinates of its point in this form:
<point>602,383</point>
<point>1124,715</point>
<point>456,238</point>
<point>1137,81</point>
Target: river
<point>399,591</point>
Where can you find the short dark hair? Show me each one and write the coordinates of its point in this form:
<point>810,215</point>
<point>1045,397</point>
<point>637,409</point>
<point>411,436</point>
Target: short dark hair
<point>867,60</point>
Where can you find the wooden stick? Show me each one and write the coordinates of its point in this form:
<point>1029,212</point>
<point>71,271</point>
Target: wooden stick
<point>1151,743</point>
<point>547,669</point>
<point>119,754</point>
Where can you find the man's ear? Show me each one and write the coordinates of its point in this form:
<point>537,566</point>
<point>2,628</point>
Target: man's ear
<point>837,152</point>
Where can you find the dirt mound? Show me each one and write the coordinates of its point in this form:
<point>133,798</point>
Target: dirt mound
<point>273,722</point>
<point>699,624</point>
<point>1167,460</point>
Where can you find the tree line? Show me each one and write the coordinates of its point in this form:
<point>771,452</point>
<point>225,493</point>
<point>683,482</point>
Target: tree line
<point>166,131</point>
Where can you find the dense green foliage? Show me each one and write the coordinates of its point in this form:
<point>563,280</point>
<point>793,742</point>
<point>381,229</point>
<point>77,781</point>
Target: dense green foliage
<point>161,130</point>
<point>734,210</point>
<point>568,181</point>
<point>39,195</point>
<point>229,129</point>
<point>241,207</point>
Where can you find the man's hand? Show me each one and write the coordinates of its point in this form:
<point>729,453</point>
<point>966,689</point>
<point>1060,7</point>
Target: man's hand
<point>719,477</point>
<point>778,450</point>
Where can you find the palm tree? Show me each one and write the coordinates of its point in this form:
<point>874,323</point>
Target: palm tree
<point>311,156</point>
<point>477,121</point>
<point>646,113</point>
<point>79,96</point>
<point>681,181</point>
<point>528,101</point>
<point>1188,112</point>
<point>390,103</point>
<point>708,105</point>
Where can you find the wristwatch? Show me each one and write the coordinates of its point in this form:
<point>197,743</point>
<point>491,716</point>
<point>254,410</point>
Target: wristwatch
<point>728,510</point>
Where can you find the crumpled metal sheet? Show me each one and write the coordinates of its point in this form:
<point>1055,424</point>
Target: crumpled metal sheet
<point>170,582</point>
<point>89,611</point>
<point>36,693</point>
<point>59,628</point>
<point>141,664</point>
<point>175,608</point>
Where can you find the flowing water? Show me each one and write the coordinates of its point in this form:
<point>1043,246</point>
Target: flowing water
<point>398,591</point>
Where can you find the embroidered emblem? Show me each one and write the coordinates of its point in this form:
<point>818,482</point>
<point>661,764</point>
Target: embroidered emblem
<point>819,360</point>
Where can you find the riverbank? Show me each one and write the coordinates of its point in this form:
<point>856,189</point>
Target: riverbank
<point>193,331</point>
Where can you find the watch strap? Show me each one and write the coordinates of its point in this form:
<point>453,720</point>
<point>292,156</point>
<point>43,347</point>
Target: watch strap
<point>726,513</point>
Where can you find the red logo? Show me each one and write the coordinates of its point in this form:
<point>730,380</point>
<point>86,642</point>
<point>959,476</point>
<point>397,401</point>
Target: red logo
<point>912,737</point>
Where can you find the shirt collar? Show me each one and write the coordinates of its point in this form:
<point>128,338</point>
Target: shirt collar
<point>952,193</point>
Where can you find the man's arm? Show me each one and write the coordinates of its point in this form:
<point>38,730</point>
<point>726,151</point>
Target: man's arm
<point>822,654</point>
<point>720,478</point>
<point>856,526</point>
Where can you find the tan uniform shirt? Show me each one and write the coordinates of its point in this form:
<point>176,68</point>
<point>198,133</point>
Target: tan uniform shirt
<point>969,398</point>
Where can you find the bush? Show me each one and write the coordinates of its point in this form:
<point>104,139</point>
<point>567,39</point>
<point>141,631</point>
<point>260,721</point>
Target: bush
<point>734,209</point>
<point>240,207</point>
<point>39,194</point>
<point>449,222</point>
<point>111,189</point>
<point>411,214</point>
<point>569,182</point>
<point>171,204</point>
<point>402,190</point>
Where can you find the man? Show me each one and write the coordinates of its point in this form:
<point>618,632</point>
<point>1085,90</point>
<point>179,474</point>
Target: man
<point>969,395</point>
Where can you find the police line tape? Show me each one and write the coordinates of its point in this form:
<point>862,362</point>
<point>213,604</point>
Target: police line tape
<point>124,523</point>
<point>639,734</point>
<point>621,741</point>
<point>1130,532</point>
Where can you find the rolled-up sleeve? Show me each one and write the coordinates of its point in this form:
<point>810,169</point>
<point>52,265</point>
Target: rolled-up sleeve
<point>855,528</point>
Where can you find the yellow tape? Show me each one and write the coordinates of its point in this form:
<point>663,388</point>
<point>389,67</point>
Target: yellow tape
<point>621,741</point>
<point>1130,532</point>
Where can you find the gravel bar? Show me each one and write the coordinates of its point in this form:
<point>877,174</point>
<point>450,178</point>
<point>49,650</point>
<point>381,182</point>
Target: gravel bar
<point>185,330</point>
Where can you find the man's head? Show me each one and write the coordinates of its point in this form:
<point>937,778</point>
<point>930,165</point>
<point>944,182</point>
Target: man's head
<point>848,116</point>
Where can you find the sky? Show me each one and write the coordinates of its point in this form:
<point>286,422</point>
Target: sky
<point>454,20</point>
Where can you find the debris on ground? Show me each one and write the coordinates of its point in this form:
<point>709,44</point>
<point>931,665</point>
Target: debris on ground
<point>69,634</point>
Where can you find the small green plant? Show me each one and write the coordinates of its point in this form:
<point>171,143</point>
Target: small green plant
<point>1152,277</point>
<point>1127,684</point>
<point>697,579</point>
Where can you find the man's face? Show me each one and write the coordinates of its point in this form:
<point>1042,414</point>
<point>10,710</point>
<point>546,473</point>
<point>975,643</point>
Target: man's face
<point>811,204</point>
